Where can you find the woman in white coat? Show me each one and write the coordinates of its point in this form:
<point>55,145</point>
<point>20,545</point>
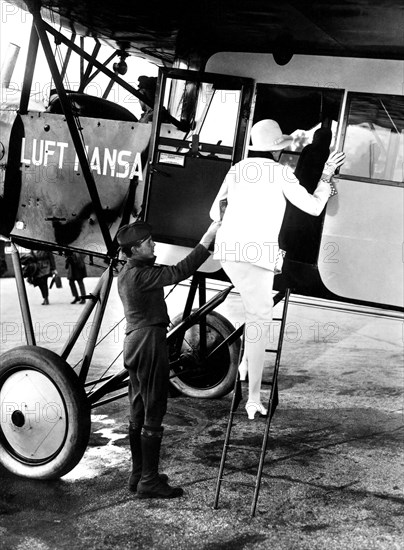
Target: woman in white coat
<point>256,190</point>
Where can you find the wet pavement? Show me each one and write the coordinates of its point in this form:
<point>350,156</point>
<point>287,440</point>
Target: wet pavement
<point>334,471</point>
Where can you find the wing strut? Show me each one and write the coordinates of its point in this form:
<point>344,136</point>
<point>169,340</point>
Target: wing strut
<point>106,71</point>
<point>73,128</point>
<point>29,70</point>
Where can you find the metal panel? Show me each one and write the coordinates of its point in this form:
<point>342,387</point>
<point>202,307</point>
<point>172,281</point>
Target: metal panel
<point>361,247</point>
<point>55,204</point>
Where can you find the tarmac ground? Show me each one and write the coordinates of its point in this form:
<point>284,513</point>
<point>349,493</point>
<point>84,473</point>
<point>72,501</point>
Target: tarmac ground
<point>333,476</point>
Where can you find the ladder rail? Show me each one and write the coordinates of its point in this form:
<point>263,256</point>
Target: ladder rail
<point>225,446</point>
<point>272,403</point>
<point>271,407</point>
<point>233,407</point>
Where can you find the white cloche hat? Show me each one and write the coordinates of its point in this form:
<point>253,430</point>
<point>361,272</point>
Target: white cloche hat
<point>266,135</point>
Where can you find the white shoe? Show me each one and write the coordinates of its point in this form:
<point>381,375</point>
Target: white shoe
<point>252,407</point>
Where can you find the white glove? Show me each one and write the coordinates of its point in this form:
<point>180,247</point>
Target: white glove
<point>334,161</point>
<point>210,234</point>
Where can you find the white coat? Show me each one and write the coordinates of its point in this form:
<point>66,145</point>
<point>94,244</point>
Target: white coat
<point>256,190</point>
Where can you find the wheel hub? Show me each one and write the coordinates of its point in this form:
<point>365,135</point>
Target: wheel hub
<point>18,419</point>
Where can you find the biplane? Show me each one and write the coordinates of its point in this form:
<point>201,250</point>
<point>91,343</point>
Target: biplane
<point>82,166</point>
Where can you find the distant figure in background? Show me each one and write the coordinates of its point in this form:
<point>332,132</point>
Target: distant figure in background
<point>43,266</point>
<point>147,87</point>
<point>76,272</point>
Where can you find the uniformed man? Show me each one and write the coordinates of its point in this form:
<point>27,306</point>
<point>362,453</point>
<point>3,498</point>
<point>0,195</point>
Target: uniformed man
<point>140,287</point>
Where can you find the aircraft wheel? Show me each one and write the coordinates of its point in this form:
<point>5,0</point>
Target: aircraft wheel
<point>45,417</point>
<point>195,376</point>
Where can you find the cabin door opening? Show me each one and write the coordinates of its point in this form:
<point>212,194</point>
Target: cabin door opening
<point>310,115</point>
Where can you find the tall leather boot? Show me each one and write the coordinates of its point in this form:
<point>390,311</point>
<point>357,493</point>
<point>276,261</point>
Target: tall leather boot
<point>151,484</point>
<point>136,452</point>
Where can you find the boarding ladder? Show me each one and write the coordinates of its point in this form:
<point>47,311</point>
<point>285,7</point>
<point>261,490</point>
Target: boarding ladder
<point>272,404</point>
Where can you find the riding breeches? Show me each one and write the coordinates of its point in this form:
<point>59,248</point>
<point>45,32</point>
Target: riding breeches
<point>146,358</point>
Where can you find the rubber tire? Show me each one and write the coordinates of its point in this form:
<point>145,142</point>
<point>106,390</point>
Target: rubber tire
<point>49,368</point>
<point>211,387</point>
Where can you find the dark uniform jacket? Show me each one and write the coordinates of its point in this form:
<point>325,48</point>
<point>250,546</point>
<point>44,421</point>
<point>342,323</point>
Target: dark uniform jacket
<point>141,287</point>
<point>76,268</point>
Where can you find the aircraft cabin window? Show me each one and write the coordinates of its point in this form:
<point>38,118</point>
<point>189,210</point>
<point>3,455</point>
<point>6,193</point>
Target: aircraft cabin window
<point>207,112</point>
<point>374,137</point>
<point>217,115</point>
<point>299,111</point>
